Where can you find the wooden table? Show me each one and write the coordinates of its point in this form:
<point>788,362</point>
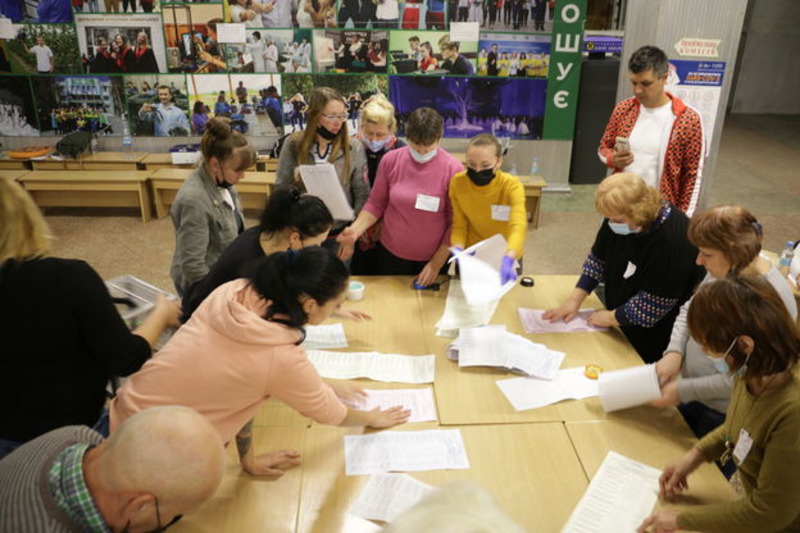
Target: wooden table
<point>98,161</point>
<point>8,163</point>
<point>159,161</point>
<point>536,464</point>
<point>253,189</point>
<point>12,174</point>
<point>75,188</point>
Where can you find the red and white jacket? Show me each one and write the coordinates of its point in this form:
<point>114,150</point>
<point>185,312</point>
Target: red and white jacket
<point>682,167</point>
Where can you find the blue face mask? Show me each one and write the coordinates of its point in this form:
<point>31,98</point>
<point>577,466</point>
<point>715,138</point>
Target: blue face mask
<point>722,365</point>
<point>619,228</point>
<point>422,158</point>
<point>378,144</point>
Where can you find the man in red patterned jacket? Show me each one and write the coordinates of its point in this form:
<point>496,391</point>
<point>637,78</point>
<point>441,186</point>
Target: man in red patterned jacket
<point>655,134</point>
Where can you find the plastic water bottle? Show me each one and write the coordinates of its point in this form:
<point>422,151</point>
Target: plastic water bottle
<point>534,167</point>
<point>127,140</point>
<point>513,170</point>
<point>786,258</point>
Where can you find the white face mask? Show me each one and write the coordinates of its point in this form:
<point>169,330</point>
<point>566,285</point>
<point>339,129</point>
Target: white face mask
<point>423,158</point>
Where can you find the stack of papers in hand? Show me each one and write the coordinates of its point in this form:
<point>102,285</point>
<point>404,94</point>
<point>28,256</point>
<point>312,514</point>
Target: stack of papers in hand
<point>529,393</point>
<point>532,322</point>
<point>494,346</point>
<point>621,495</point>
<point>459,314</point>
<point>479,267</point>
<point>430,449</point>
<point>374,365</point>
<point>387,496</point>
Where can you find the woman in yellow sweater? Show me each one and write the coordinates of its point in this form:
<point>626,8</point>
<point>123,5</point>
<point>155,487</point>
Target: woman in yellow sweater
<point>487,201</point>
<point>745,325</point>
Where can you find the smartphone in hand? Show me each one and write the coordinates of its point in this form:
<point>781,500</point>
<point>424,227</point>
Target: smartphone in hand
<point>622,145</point>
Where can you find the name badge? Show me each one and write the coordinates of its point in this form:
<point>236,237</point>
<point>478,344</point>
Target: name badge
<point>630,270</point>
<point>427,203</point>
<point>501,212</point>
<point>743,445</point>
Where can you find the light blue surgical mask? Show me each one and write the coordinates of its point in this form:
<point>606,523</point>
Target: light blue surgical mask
<point>423,158</point>
<point>722,365</point>
<point>378,144</point>
<point>619,228</point>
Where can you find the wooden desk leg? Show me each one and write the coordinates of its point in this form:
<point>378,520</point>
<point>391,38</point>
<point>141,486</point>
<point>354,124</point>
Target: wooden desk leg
<point>537,203</point>
<point>144,201</point>
<point>158,200</point>
<point>532,209</point>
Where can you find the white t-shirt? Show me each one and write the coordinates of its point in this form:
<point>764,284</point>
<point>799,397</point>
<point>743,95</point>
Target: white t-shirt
<point>388,10</point>
<point>43,55</point>
<point>649,140</point>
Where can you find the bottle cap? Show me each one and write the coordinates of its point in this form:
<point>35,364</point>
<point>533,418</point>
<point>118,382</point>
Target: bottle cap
<point>526,281</point>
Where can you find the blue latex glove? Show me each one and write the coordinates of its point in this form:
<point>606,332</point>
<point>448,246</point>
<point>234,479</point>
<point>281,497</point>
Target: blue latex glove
<point>507,270</point>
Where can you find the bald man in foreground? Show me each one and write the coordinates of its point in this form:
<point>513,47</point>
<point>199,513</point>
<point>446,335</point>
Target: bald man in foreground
<point>160,463</point>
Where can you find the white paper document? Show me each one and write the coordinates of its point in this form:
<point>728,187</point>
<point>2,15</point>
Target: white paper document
<point>621,495</point>
<point>6,29</point>
<point>479,270</point>
<point>629,387</point>
<point>464,31</point>
<point>387,496</point>
<point>459,314</point>
<point>231,33</point>
<point>356,524</point>
<point>419,401</point>
<point>374,365</point>
<point>324,337</point>
<point>532,322</point>
<point>388,451</point>
<point>321,180</point>
<point>494,346</point>
<point>530,393</point>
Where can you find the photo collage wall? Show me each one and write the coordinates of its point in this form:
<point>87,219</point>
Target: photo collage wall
<point>165,68</point>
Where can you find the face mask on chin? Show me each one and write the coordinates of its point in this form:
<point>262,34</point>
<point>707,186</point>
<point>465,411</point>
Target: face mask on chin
<point>480,177</point>
<point>620,229</point>
<point>422,158</point>
<point>326,134</point>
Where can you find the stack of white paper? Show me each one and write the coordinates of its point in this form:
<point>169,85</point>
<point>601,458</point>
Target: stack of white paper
<point>532,322</point>
<point>374,365</point>
<point>479,268</point>
<point>432,449</point>
<point>459,314</point>
<point>321,181</point>
<point>387,496</point>
<point>494,346</point>
<point>629,387</point>
<point>325,337</point>
<point>419,401</point>
<point>621,495</point>
<point>529,393</point>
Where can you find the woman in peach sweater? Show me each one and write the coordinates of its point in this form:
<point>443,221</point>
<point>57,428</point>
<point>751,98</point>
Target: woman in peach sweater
<point>242,346</point>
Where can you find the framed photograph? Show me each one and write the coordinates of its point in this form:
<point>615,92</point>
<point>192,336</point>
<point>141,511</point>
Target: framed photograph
<point>41,11</point>
<point>79,103</point>
<point>271,51</point>
<point>44,49</point>
<point>513,55</point>
<point>158,105</point>
<point>17,109</point>
<point>431,52</point>
<point>135,43</point>
<point>191,36</point>
<point>350,51</point>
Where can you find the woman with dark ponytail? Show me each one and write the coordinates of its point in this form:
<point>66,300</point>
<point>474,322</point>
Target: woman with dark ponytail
<point>290,221</point>
<point>207,214</point>
<point>242,346</point>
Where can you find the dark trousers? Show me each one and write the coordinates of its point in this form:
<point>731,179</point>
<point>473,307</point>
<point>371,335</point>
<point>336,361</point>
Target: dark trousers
<point>125,5</point>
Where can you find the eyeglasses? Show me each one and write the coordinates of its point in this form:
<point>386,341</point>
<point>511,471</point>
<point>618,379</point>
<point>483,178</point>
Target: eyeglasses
<point>158,519</point>
<point>335,118</point>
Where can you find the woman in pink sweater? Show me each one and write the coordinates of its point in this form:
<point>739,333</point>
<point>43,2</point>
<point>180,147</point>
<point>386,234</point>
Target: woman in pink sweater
<point>410,194</point>
<point>242,346</point>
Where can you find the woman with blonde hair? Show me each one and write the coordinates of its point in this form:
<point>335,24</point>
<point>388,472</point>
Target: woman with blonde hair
<point>642,254</point>
<point>743,322</point>
<point>63,339</point>
<point>326,140</point>
<point>729,240</point>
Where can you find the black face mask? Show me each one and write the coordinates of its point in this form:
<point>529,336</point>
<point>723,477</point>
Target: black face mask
<point>480,177</point>
<point>224,184</point>
<point>326,134</point>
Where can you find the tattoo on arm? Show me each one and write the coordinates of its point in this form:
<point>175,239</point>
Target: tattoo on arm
<point>244,439</point>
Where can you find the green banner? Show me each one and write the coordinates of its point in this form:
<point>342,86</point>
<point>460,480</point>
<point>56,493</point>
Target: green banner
<point>563,78</point>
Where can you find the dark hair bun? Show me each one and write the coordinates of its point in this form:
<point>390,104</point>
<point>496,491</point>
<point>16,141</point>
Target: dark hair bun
<point>219,128</point>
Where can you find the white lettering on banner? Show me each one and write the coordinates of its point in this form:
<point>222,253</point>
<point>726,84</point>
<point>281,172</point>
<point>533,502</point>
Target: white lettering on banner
<point>568,46</point>
<point>568,17</point>
<point>563,72</point>
<point>560,99</point>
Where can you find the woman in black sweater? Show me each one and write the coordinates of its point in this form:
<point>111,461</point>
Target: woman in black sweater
<point>63,339</point>
<point>644,257</point>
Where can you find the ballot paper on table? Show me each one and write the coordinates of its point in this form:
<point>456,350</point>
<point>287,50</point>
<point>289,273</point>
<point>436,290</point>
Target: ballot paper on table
<point>479,270</point>
<point>530,393</point>
<point>321,180</point>
<point>418,401</point>
<point>494,346</point>
<point>621,495</point>
<point>532,322</point>
<point>459,314</point>
<point>388,451</point>
<point>629,387</point>
<point>355,524</point>
<point>374,365</point>
<point>386,496</point>
<point>327,336</point>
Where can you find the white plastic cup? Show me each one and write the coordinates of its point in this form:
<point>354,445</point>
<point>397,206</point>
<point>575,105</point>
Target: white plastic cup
<point>355,291</point>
